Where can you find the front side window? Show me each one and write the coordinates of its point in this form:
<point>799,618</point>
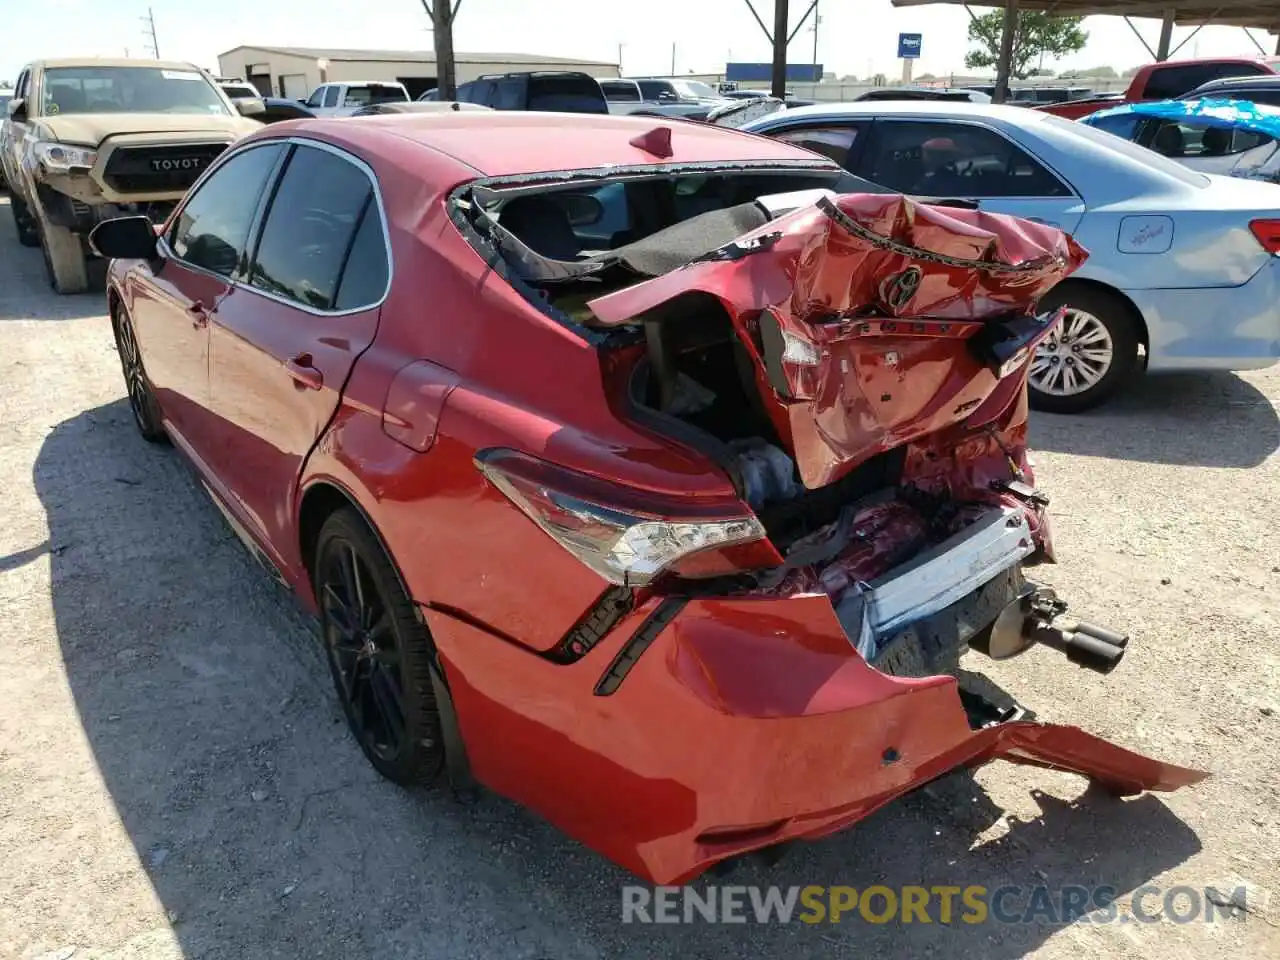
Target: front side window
<point>317,97</point>
<point>331,95</point>
<point>77,90</point>
<point>1190,139</point>
<point>940,159</point>
<point>308,232</point>
<point>20,90</point>
<point>657,90</point>
<point>833,142</point>
<point>213,226</point>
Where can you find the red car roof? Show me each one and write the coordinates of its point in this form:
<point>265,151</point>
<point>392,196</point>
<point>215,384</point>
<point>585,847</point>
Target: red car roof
<point>502,143</point>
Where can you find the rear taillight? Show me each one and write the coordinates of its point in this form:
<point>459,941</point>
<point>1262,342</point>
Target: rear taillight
<point>627,536</point>
<point>1268,234</point>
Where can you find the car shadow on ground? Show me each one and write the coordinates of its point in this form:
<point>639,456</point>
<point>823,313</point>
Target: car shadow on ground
<point>1186,419</point>
<point>207,706</point>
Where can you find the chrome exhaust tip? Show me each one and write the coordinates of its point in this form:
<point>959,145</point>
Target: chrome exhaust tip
<point>1029,620</point>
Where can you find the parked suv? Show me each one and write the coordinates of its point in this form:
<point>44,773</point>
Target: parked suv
<point>561,91</point>
<point>90,139</point>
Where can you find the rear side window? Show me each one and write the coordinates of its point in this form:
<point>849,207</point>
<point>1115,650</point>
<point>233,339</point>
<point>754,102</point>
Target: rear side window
<point>213,227</point>
<point>509,94</point>
<point>572,94</point>
<point>366,94</point>
<point>620,92</point>
<point>1124,125</point>
<point>1167,83</point>
<point>478,91</point>
<point>310,228</point>
<point>1269,95</point>
<point>364,277</point>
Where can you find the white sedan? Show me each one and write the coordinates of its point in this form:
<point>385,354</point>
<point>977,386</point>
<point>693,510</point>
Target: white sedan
<point>1183,272</point>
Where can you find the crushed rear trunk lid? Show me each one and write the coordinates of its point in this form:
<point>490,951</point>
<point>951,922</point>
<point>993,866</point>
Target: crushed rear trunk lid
<point>871,320</point>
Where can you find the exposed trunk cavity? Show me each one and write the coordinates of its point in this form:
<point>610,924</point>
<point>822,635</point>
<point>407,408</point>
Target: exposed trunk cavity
<point>859,368</point>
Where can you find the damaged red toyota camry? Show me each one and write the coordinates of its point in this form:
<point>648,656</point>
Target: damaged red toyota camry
<point>656,477</point>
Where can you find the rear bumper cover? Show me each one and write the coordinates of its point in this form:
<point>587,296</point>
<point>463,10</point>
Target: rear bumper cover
<point>746,723</point>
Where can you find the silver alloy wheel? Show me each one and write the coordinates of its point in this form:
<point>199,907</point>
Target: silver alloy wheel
<point>1075,358</point>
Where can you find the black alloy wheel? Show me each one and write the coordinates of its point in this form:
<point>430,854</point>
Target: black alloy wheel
<point>379,654</point>
<point>146,412</point>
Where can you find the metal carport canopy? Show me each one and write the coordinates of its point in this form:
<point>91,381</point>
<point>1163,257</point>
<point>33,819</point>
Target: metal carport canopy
<point>1264,14</point>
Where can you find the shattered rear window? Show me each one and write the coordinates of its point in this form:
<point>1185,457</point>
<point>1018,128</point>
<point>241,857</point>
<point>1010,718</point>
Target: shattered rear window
<point>585,225</point>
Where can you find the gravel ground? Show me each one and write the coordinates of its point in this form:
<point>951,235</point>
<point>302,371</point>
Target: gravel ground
<point>175,779</point>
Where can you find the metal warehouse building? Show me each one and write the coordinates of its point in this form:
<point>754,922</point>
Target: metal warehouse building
<point>295,71</point>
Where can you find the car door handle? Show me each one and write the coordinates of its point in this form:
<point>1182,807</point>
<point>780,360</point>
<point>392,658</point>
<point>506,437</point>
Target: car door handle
<point>304,374</point>
<point>199,314</point>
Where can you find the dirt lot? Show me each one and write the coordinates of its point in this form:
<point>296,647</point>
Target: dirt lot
<point>175,779</point>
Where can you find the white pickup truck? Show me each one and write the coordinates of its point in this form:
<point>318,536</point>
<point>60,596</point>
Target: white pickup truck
<point>345,98</point>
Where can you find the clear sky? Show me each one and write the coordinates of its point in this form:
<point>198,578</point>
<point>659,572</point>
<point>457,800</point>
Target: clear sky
<point>856,36</point>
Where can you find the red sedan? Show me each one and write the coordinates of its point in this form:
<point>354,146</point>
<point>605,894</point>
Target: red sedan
<point>653,476</point>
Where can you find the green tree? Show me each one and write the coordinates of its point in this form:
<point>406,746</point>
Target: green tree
<point>1037,35</point>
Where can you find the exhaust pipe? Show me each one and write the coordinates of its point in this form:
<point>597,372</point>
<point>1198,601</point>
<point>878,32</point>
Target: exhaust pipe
<point>1030,620</point>
<point>1080,648</point>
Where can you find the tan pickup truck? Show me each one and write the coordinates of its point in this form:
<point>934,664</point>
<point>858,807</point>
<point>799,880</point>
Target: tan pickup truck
<point>89,139</point>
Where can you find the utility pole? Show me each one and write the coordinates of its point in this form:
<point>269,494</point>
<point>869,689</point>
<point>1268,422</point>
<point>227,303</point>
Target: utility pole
<point>149,29</point>
<point>673,58</point>
<point>816,20</point>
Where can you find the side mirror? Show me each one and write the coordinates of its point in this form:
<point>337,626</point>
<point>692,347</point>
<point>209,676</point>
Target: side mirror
<point>251,106</point>
<point>124,238</point>
<point>18,110</point>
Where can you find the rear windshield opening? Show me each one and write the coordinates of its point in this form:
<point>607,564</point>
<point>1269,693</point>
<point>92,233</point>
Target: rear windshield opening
<point>625,228</point>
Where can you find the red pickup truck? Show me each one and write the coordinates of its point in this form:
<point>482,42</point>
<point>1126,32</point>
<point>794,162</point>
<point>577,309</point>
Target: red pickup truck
<point>1166,81</point>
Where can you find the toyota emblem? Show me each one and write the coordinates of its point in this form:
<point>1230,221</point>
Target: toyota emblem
<point>897,291</point>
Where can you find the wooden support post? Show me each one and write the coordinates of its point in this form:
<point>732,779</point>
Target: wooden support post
<point>1166,35</point>
<point>1004,66</point>
<point>780,36</point>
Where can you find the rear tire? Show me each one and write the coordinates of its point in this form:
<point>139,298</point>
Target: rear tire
<point>23,222</point>
<point>1091,356</point>
<point>64,259</point>
<point>380,655</point>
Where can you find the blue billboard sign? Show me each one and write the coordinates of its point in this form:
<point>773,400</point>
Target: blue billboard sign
<point>763,72</point>
<point>909,46</point>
